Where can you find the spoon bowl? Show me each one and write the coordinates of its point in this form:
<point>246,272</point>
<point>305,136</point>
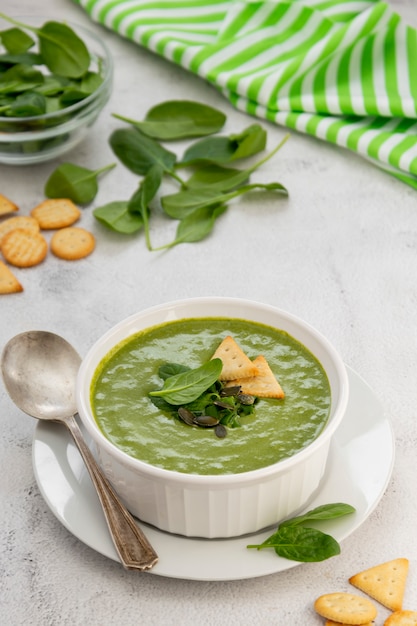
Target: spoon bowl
<point>39,370</point>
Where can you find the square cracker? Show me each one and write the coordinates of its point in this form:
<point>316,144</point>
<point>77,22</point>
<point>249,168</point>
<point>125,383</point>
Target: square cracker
<point>8,281</point>
<point>263,385</point>
<point>385,582</point>
<point>235,362</point>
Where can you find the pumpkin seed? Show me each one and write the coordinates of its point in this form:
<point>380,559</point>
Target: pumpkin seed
<point>245,398</point>
<point>206,421</point>
<point>220,431</point>
<point>230,391</point>
<point>186,415</point>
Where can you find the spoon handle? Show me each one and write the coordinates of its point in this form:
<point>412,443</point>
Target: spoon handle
<point>132,546</point>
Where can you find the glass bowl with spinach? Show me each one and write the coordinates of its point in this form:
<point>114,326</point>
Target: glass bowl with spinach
<point>55,78</point>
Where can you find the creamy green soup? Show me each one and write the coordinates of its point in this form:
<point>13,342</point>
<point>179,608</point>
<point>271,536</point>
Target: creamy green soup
<point>277,429</point>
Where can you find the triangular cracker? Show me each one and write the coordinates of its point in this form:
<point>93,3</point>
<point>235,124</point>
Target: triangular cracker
<point>8,281</point>
<point>7,206</point>
<point>263,385</point>
<point>385,583</point>
<point>402,618</point>
<point>235,362</point>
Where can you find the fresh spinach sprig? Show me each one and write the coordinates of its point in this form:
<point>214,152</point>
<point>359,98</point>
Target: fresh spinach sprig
<point>297,542</point>
<point>202,197</point>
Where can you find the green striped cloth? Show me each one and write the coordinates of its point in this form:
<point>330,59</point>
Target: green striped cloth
<point>340,70</point>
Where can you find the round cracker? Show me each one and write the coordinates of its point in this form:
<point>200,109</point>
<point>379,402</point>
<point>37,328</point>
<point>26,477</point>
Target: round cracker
<point>345,608</point>
<point>402,618</point>
<point>24,248</point>
<point>18,221</point>
<point>72,243</point>
<point>56,213</point>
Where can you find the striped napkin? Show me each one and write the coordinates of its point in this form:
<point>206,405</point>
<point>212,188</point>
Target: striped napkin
<point>340,70</point>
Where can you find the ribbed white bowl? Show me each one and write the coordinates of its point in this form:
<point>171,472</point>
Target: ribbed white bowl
<point>216,506</point>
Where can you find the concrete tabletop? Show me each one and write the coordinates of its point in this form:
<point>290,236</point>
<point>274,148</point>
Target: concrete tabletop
<point>339,252</point>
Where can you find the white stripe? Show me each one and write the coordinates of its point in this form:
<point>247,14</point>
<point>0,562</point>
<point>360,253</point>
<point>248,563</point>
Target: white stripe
<point>408,157</point>
<point>403,71</point>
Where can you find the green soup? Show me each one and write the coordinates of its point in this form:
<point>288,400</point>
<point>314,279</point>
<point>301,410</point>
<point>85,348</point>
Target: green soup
<point>277,429</point>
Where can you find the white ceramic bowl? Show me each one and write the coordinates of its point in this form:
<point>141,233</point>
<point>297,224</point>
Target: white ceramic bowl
<point>222,505</point>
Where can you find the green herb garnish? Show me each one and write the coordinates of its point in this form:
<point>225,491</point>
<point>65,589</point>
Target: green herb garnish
<point>198,398</point>
<point>293,540</point>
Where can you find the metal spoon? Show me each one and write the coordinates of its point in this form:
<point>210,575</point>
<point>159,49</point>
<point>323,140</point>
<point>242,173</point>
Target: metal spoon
<point>39,371</point>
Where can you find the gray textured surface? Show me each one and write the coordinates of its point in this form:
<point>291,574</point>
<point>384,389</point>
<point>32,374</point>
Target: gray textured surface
<point>341,252</point>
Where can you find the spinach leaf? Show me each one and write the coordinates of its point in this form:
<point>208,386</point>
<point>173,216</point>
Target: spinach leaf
<point>62,50</point>
<point>183,203</point>
<point>27,104</point>
<point>225,149</point>
<point>197,225</point>
<point>324,512</point>
<point>170,369</point>
<point>139,202</point>
<point>186,386</point>
<point>179,119</point>
<point>74,182</point>
<point>139,153</point>
<point>16,41</point>
<point>117,217</point>
<point>293,541</point>
<point>301,544</point>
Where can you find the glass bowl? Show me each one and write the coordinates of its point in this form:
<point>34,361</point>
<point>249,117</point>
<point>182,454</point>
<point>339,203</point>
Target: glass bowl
<point>38,138</point>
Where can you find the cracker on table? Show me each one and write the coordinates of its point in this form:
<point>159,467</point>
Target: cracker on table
<point>7,206</point>
<point>330,622</point>
<point>384,583</point>
<point>24,248</point>
<point>345,608</point>
<point>8,281</point>
<point>402,618</point>
<point>56,213</point>
<point>235,362</point>
<point>72,243</point>
<point>263,385</point>
<point>18,221</point>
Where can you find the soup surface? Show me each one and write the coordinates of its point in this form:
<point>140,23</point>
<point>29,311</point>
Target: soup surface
<point>276,430</point>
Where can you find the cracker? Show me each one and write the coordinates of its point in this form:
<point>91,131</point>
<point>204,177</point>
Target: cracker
<point>263,385</point>
<point>330,622</point>
<point>7,206</point>
<point>56,213</point>
<point>8,281</point>
<point>345,608</point>
<point>384,583</point>
<point>72,243</point>
<point>402,618</point>
<point>18,221</point>
<point>24,248</point>
<point>235,362</point>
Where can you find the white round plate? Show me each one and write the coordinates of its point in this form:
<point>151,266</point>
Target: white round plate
<point>359,468</point>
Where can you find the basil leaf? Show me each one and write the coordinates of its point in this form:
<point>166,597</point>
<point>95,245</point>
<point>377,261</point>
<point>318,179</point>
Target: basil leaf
<point>323,512</point>
<point>16,41</point>
<point>77,183</point>
<point>187,386</point>
<point>301,544</point>
<point>63,52</point>
<point>139,153</point>
<point>226,149</point>
<point>179,119</point>
<point>181,204</point>
<point>117,217</point>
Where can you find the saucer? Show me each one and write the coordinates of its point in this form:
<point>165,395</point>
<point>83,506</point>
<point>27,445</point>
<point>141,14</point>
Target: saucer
<point>358,471</point>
